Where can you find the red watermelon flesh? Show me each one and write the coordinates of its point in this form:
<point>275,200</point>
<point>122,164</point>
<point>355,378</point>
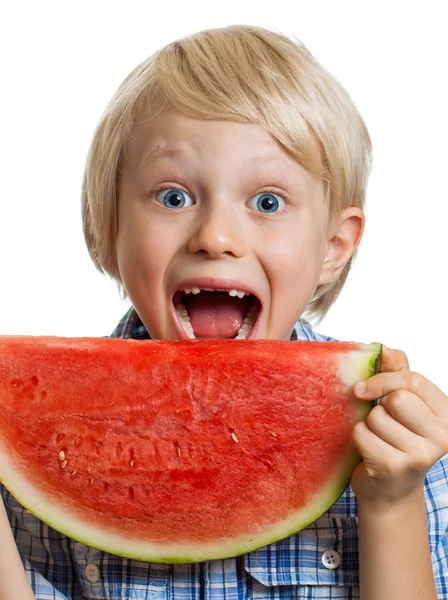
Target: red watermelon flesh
<point>178,451</point>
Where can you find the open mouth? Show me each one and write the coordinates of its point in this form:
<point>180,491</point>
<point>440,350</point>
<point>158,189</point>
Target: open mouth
<point>205,313</point>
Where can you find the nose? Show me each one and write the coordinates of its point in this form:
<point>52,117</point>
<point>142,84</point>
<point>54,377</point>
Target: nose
<point>218,233</point>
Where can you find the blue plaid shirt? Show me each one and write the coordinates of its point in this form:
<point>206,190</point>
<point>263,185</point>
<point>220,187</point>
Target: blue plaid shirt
<point>297,567</point>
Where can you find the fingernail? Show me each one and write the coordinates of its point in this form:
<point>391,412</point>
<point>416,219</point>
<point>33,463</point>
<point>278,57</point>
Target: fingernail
<point>360,388</point>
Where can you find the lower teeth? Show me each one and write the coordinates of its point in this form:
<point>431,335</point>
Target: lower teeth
<point>248,323</point>
<point>184,320</point>
<point>242,334</point>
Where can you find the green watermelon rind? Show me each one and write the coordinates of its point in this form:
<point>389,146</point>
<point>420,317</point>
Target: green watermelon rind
<point>354,366</point>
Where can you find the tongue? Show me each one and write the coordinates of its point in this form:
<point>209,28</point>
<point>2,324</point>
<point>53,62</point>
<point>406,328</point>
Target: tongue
<point>216,314</point>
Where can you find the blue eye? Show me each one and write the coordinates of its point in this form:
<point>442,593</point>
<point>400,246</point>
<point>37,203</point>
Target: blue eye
<point>268,202</point>
<point>172,198</point>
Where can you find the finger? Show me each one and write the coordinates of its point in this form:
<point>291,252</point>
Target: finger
<point>409,410</point>
<point>381,384</point>
<point>392,431</point>
<point>393,360</point>
<point>371,447</point>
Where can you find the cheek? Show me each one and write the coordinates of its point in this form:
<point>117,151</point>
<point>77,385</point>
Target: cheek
<point>141,245</point>
<point>299,252</point>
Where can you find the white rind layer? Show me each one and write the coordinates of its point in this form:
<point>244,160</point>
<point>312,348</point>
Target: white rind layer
<point>355,366</point>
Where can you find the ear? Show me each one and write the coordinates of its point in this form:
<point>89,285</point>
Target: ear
<point>345,237</point>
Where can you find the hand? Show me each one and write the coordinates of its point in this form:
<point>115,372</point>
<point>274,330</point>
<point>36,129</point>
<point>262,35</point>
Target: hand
<point>402,437</point>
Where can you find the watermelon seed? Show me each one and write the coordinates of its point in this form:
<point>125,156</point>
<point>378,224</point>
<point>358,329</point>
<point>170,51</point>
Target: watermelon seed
<point>234,438</point>
<point>131,463</point>
<point>91,481</point>
<point>63,464</point>
<point>16,383</point>
<point>78,442</point>
<point>178,451</point>
<point>61,455</point>
<point>272,433</point>
<point>73,473</point>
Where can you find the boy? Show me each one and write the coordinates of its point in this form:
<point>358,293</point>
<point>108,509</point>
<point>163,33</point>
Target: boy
<point>224,192</point>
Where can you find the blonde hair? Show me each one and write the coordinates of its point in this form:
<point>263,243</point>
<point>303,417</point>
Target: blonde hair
<point>239,73</point>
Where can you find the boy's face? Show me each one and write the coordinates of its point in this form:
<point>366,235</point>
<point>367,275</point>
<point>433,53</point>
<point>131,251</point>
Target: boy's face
<point>220,225</point>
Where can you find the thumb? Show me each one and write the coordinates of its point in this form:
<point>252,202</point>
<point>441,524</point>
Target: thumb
<point>393,360</point>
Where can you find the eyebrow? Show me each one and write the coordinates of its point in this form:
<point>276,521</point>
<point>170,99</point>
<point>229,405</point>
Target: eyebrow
<point>262,160</point>
<point>158,153</point>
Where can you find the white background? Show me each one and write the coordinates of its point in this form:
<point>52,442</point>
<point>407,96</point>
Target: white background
<point>61,63</point>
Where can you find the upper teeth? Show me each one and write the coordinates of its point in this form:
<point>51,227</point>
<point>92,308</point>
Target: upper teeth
<point>196,290</point>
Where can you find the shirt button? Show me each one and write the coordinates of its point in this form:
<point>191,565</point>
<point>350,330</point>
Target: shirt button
<point>92,573</point>
<point>331,559</point>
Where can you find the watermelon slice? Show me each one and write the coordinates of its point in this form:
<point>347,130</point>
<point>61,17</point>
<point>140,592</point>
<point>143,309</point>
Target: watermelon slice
<point>179,451</point>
